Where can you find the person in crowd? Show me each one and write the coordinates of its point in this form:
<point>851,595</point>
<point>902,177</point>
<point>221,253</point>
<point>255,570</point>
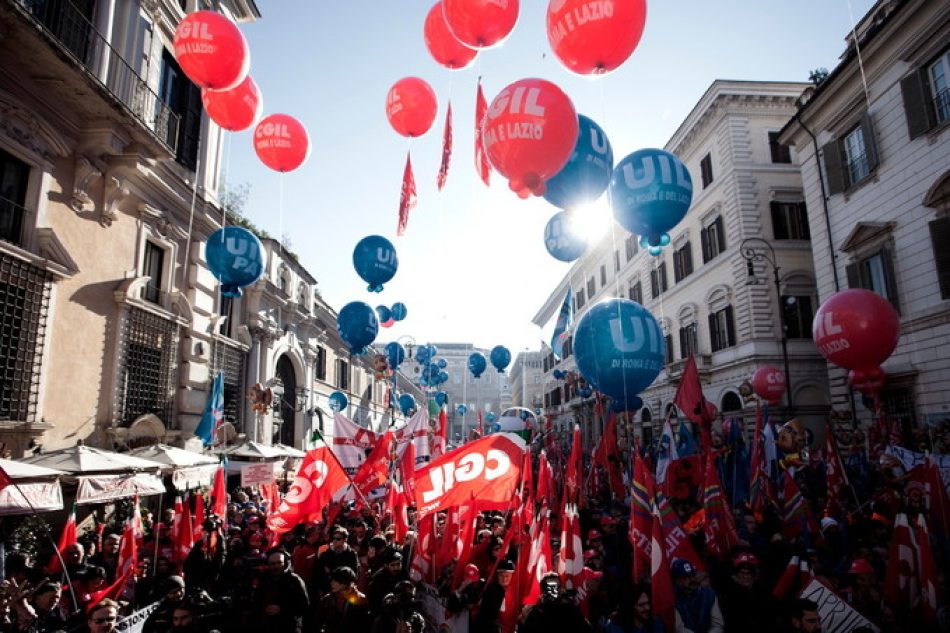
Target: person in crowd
<point>75,558</point>
<point>746,603</point>
<point>345,609</point>
<point>160,620</point>
<point>281,600</point>
<point>488,618</point>
<point>554,612</point>
<point>108,558</point>
<point>697,606</point>
<point>303,557</point>
<point>384,581</point>
<point>460,601</point>
<point>85,586</point>
<point>400,612</point>
<point>803,616</point>
<point>45,603</point>
<point>634,615</point>
<point>339,554</point>
<point>102,617</point>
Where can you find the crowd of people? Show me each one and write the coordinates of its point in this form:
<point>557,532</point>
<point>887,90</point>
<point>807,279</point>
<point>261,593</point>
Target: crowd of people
<point>351,573</point>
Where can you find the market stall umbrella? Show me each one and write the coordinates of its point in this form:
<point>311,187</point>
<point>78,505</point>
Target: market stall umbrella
<point>290,451</point>
<point>36,489</point>
<point>187,469</point>
<point>254,451</point>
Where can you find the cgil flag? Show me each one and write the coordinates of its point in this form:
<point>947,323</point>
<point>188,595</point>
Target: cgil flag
<point>214,412</point>
<point>564,321</point>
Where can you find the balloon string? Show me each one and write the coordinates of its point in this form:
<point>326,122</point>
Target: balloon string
<point>191,221</point>
<point>227,174</point>
<point>280,214</point>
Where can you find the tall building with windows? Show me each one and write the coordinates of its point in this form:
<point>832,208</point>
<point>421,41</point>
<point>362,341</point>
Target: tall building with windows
<point>526,379</point>
<point>711,301</point>
<point>873,143</point>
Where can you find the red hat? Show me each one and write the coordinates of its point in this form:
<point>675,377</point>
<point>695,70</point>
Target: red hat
<point>471,573</point>
<point>591,553</point>
<point>594,534</point>
<point>608,520</point>
<point>861,566</point>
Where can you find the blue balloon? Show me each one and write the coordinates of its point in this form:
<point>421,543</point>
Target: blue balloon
<point>396,354</point>
<point>619,348</point>
<point>442,363</point>
<point>441,398</point>
<point>357,325</point>
<point>495,427</point>
<point>558,374</point>
<point>585,391</point>
<point>375,261</point>
<point>490,417</point>
<point>383,314</point>
<point>562,242</point>
<point>587,172</point>
<point>422,355</point>
<point>433,351</point>
<point>407,403</point>
<point>236,258</point>
<point>398,311</point>
<point>461,409</point>
<point>443,377</point>
<point>500,357</point>
<point>650,193</point>
<point>338,401</point>
<point>477,363</point>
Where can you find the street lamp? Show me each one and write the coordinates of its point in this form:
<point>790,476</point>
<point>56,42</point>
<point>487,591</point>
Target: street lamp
<point>755,249</point>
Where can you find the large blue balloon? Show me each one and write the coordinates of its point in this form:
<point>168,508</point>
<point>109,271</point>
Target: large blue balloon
<point>500,357</point>
<point>398,311</point>
<point>443,377</point>
<point>442,363</point>
<point>423,355</point>
<point>441,398</point>
<point>375,261</point>
<point>338,401</point>
<point>383,314</point>
<point>407,403</point>
<point>619,349</point>
<point>396,354</point>
<point>477,363</point>
<point>357,325</point>
<point>236,257</point>
<point>587,172</point>
<point>650,193</point>
<point>562,242</point>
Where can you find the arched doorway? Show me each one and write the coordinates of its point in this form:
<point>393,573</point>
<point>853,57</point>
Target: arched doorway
<point>285,432</point>
<point>730,403</point>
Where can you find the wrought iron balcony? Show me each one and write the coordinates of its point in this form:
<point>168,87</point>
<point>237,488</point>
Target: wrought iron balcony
<point>78,38</point>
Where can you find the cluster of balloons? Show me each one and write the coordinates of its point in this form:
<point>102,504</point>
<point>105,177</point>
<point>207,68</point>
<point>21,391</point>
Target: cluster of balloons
<point>375,261</point>
<point>236,258</point>
<point>213,53</point>
<point>477,364</point>
<point>500,357</point>
<point>619,349</point>
<point>769,383</point>
<point>858,330</point>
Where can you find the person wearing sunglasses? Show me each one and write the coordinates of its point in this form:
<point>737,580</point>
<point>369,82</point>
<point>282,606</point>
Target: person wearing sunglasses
<point>339,554</point>
<point>102,618</point>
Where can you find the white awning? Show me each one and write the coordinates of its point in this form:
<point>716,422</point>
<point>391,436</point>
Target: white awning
<point>194,476</point>
<point>27,498</point>
<point>103,488</point>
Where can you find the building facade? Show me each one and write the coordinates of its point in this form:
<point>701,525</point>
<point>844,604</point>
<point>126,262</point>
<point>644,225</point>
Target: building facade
<point>712,292</point>
<point>873,144</point>
<point>526,378</point>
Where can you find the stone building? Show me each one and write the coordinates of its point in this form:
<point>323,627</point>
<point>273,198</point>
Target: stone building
<point>873,144</point>
<point>526,378</point>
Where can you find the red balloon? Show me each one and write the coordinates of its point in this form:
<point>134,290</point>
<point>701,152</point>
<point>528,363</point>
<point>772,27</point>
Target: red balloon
<point>236,109</point>
<point>529,133</point>
<point>595,37</point>
<point>388,323</point>
<point>480,23</point>
<point>867,381</point>
<point>768,382</point>
<point>211,50</point>
<point>444,47</point>
<point>411,106</point>
<point>281,142</point>
<point>856,329</point>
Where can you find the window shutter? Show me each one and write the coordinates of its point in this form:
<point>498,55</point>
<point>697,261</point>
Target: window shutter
<point>870,144</point>
<point>654,284</point>
<point>918,108</point>
<point>191,127</point>
<point>730,326</point>
<point>940,236</point>
<point>683,344</point>
<point>720,234</point>
<point>704,242</point>
<point>713,333</point>
<point>669,347</point>
<point>854,275</point>
<point>677,266</point>
<point>891,280</point>
<point>687,259</point>
<point>834,167</point>
<point>804,230</point>
<point>663,283</point>
<point>779,228</point>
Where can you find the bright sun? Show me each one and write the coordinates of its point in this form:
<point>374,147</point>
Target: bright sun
<point>592,221</point>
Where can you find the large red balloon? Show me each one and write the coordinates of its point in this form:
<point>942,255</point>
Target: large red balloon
<point>411,106</point>
<point>281,142</point>
<point>856,329</point>
<point>593,37</point>
<point>768,382</point>
<point>529,132</point>
<point>480,23</point>
<point>236,109</point>
<point>211,50</point>
<point>867,381</point>
<point>445,48</point>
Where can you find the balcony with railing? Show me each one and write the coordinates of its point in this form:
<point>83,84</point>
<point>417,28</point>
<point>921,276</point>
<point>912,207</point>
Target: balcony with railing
<point>74,35</point>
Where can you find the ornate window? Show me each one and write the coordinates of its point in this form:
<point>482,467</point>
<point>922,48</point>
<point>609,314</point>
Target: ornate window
<point>229,360</point>
<point>148,375</point>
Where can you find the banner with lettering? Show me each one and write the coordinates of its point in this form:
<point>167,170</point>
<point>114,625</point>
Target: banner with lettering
<point>837,616</point>
<point>320,477</point>
<point>488,469</point>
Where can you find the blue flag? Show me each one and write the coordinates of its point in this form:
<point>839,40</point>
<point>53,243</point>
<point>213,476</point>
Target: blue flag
<point>564,321</point>
<point>213,416</point>
<point>686,445</point>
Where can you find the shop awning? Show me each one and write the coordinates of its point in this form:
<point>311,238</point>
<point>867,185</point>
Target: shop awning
<point>104,488</point>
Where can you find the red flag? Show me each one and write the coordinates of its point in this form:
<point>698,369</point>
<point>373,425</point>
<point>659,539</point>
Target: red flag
<point>128,551</point>
<point>407,471</point>
<point>760,484</point>
<point>927,573</point>
<point>197,525</point>
<point>720,527</point>
<point>835,476</point>
<point>219,496</point>
<point>320,477</point>
<point>488,469</point>
<point>5,479</point>
<point>66,538</point>
<point>184,538</point>
<point>689,398</point>
<point>926,480</point>
<point>407,197</point>
<point>421,564</point>
<point>900,584</point>
<point>571,560</point>
<point>544,490</point>
<point>113,592</point>
<point>539,560</point>
<point>466,543</point>
<point>796,577</point>
<point>664,600</point>
<point>446,149</point>
<point>673,536</point>
<point>481,159</point>
<point>641,519</point>
<point>575,468</point>
<point>374,471</point>
<point>607,454</point>
<point>439,439</point>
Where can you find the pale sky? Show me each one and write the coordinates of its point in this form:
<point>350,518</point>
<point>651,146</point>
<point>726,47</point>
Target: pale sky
<point>472,264</point>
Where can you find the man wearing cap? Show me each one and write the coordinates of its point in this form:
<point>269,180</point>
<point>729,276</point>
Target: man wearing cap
<point>160,620</point>
<point>339,554</point>
<point>488,618</point>
<point>746,605</point>
<point>345,609</point>
<point>697,607</point>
